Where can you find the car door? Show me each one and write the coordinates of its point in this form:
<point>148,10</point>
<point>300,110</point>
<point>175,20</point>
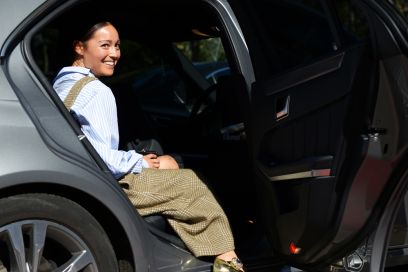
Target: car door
<point>326,120</point>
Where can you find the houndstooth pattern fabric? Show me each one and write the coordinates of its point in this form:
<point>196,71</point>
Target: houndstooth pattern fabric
<point>188,205</point>
<point>75,90</point>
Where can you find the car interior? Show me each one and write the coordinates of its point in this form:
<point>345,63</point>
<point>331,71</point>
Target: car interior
<point>176,83</point>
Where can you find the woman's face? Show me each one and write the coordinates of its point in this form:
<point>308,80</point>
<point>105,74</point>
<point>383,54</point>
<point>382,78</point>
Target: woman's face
<point>101,52</point>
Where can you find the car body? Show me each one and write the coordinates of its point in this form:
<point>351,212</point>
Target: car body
<point>303,138</point>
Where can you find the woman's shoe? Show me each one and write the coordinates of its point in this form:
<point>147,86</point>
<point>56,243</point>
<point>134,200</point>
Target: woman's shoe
<point>235,265</point>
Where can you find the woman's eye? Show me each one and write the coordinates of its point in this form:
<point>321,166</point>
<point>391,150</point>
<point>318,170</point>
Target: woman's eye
<point>105,45</point>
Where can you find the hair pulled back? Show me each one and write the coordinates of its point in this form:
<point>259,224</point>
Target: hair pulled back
<point>86,34</point>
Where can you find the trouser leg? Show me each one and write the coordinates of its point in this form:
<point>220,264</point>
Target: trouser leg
<point>188,205</point>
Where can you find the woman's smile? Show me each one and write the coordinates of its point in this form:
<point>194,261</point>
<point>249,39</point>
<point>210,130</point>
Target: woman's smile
<point>101,52</point>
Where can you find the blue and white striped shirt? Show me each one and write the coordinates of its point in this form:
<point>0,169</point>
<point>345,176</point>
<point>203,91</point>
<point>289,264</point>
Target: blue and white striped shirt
<point>95,109</point>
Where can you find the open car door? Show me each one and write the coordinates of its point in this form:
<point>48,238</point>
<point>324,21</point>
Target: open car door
<point>327,120</point>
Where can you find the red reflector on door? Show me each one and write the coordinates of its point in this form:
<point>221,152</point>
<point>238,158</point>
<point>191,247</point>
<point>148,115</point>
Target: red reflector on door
<point>293,249</point>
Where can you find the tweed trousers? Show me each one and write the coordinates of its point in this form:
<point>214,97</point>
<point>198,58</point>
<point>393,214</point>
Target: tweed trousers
<point>188,205</point>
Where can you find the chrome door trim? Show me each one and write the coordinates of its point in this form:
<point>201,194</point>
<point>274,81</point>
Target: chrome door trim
<point>300,175</point>
<point>285,111</point>
<point>233,128</point>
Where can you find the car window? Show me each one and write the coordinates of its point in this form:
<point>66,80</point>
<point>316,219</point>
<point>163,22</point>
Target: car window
<point>146,73</point>
<point>401,5</point>
<point>152,72</point>
<point>297,30</point>
<point>45,51</point>
<point>207,55</point>
<point>354,24</point>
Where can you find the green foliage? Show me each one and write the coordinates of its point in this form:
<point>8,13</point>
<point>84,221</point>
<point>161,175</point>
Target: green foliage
<point>402,6</point>
<point>202,50</point>
<point>351,18</point>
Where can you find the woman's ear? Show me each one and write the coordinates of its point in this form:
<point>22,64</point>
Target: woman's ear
<point>79,48</point>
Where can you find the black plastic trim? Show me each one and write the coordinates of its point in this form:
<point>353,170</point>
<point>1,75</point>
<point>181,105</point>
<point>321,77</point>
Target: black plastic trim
<point>304,74</point>
<point>318,162</point>
<point>393,20</point>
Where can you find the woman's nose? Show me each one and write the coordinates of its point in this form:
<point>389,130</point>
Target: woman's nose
<point>114,52</point>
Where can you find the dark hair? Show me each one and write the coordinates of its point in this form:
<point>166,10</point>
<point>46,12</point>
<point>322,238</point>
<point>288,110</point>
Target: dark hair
<point>84,36</point>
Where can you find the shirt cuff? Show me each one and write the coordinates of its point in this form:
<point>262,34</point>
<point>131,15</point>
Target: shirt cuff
<point>145,164</point>
<point>137,168</point>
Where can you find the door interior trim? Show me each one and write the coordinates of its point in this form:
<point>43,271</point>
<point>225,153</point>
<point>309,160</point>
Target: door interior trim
<point>305,174</point>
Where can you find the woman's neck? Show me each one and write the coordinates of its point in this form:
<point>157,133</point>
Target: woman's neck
<point>78,63</point>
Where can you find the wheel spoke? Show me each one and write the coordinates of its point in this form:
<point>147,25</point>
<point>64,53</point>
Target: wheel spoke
<point>38,239</point>
<point>17,244</point>
<point>47,239</point>
<point>78,261</point>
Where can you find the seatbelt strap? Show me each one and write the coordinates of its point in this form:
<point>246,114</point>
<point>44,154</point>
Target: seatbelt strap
<point>75,90</point>
<point>66,73</point>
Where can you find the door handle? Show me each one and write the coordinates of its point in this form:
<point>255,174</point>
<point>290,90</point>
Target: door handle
<point>282,107</point>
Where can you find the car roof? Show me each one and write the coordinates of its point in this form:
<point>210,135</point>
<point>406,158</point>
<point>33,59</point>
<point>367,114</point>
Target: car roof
<point>174,20</point>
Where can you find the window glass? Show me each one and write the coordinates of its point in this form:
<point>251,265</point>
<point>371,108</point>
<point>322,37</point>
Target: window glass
<point>151,72</point>
<point>148,74</point>
<point>136,57</point>
<point>45,51</point>
<point>202,50</point>
<point>401,5</point>
<point>297,30</point>
<point>207,55</point>
<point>354,24</point>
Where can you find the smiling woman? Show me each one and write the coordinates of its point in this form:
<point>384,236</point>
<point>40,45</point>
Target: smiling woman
<point>98,49</point>
<point>154,184</point>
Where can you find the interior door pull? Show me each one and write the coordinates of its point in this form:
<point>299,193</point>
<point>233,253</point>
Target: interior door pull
<point>282,107</point>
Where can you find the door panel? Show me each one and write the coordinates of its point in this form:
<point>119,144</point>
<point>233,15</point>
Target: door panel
<point>321,121</point>
<point>297,157</point>
<point>310,134</point>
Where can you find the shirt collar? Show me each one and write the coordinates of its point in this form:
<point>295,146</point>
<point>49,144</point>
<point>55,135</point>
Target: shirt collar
<point>72,70</point>
<point>76,69</point>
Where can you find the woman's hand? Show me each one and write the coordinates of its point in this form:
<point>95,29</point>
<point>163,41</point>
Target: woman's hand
<point>152,160</point>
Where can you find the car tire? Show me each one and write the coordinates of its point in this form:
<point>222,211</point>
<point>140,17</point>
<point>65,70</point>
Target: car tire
<point>43,232</point>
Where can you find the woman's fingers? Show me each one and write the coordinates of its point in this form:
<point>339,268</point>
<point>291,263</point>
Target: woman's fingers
<point>156,163</point>
<point>152,160</point>
<point>151,156</point>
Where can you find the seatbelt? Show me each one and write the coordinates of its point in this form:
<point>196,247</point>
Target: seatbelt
<point>69,102</point>
<point>75,90</point>
<point>66,73</point>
